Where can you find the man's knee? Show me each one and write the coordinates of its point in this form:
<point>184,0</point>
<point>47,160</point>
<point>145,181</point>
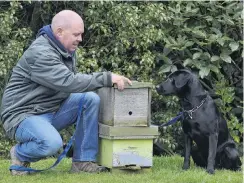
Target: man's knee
<point>50,147</point>
<point>92,98</point>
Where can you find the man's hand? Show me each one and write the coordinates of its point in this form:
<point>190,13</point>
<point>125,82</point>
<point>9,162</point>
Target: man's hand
<point>120,81</point>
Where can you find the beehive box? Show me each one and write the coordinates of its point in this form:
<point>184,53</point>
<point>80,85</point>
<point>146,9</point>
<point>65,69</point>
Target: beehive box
<point>130,107</point>
<point>122,147</point>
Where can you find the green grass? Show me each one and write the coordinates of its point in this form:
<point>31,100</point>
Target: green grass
<point>164,170</point>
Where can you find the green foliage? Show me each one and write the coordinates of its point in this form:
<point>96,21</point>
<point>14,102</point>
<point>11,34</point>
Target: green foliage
<point>126,35</point>
<point>86,63</point>
<point>13,40</point>
<point>227,95</point>
<point>205,34</point>
<point>171,136</point>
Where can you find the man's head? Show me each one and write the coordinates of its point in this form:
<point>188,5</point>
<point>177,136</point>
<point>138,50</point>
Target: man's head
<point>68,28</point>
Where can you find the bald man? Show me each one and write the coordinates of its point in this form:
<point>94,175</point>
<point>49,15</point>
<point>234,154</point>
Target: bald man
<point>45,94</point>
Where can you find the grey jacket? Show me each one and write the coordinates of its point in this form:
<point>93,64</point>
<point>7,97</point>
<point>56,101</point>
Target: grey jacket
<point>42,79</point>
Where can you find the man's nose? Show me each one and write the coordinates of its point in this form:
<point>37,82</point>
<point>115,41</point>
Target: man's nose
<point>79,38</point>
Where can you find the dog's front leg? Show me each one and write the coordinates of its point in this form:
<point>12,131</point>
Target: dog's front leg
<point>188,144</point>
<point>213,139</point>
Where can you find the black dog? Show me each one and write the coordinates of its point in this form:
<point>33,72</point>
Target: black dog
<point>202,123</point>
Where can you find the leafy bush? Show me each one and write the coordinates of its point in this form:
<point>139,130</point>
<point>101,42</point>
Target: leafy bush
<point>13,38</point>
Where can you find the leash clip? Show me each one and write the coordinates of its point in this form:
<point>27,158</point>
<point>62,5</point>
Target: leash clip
<point>190,114</point>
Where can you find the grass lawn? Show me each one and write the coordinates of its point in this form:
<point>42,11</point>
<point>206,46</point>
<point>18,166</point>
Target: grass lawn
<point>164,170</point>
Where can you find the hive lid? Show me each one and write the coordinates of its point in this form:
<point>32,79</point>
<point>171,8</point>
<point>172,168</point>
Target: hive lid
<point>119,132</point>
<point>136,84</point>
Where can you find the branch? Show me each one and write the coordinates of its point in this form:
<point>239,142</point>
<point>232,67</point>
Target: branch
<point>210,90</point>
<point>205,85</point>
<point>236,66</point>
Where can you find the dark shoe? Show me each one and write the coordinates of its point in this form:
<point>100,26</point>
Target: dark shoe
<point>16,161</point>
<point>87,166</point>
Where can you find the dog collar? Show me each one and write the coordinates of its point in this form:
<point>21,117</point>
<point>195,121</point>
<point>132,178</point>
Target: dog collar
<point>189,112</point>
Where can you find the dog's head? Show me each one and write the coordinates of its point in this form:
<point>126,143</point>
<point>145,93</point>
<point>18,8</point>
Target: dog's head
<point>176,83</point>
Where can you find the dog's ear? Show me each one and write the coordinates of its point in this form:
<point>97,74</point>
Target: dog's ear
<point>181,79</point>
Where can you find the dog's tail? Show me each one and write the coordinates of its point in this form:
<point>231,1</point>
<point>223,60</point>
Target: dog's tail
<point>228,156</point>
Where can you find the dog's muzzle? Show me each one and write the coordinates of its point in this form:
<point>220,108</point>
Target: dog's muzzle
<point>160,89</point>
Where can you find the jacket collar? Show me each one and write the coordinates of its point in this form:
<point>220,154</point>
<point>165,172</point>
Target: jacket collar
<point>47,32</point>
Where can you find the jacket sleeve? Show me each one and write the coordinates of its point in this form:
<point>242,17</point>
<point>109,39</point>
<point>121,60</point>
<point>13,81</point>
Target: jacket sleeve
<point>49,71</point>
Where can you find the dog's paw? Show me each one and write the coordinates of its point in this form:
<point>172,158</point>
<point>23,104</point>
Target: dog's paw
<point>210,171</point>
<point>185,166</point>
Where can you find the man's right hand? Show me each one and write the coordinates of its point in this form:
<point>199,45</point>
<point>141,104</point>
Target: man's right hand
<point>120,81</point>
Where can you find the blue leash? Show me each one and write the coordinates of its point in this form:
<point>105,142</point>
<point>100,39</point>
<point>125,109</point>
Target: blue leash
<point>61,156</point>
<point>172,121</point>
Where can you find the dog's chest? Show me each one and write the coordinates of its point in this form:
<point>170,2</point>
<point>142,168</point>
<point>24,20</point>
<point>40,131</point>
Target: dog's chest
<point>192,128</point>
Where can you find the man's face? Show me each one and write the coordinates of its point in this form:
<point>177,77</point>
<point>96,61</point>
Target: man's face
<point>72,36</point>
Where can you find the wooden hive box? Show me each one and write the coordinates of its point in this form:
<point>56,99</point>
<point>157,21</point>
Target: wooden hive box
<point>130,107</point>
<point>123,147</point>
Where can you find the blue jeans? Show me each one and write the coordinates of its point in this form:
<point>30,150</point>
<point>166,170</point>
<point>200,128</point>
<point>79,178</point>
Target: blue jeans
<point>38,135</point>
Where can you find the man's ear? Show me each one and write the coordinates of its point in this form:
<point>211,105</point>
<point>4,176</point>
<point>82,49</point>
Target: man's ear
<point>59,32</point>
<point>181,79</point>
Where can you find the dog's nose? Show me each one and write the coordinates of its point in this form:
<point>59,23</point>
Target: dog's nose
<point>157,87</point>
